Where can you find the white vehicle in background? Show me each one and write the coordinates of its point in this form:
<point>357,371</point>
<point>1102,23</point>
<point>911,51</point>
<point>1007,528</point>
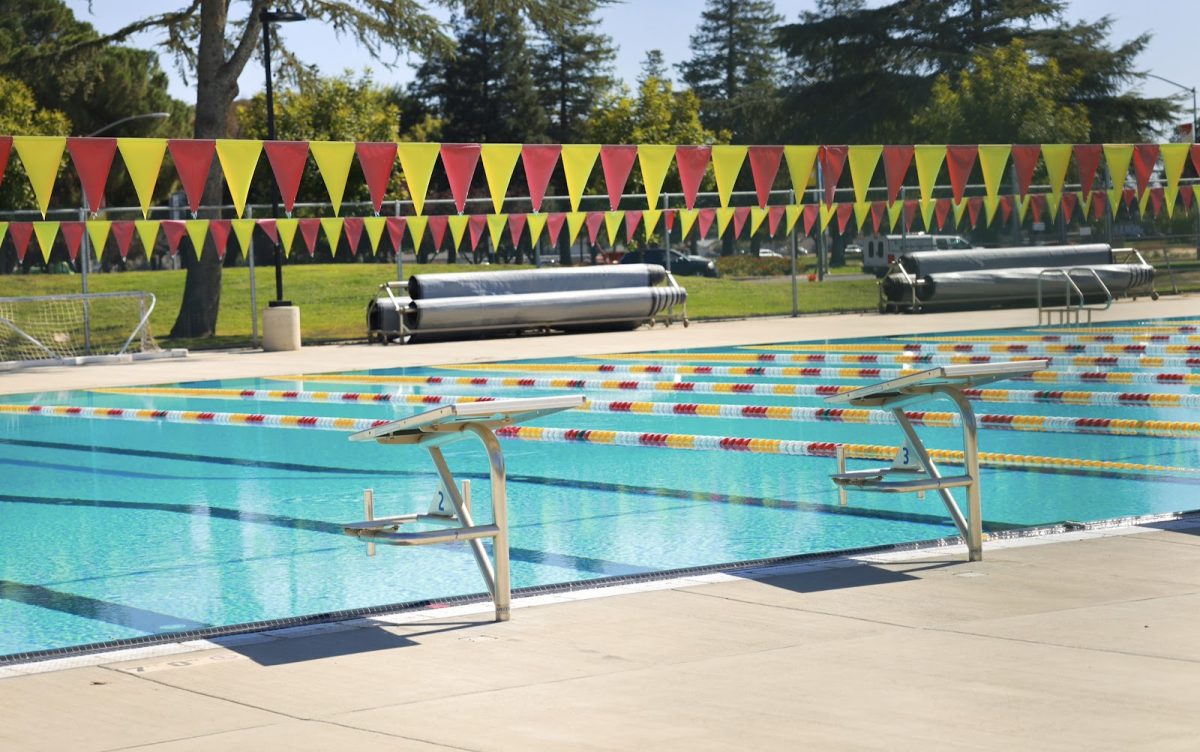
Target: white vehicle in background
<point>881,251</point>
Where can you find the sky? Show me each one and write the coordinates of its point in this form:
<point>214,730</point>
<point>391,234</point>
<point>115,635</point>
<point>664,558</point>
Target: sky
<point>637,26</point>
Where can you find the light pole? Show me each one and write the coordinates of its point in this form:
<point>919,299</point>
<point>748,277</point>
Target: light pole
<point>1192,89</point>
<point>268,17</point>
<point>143,116</point>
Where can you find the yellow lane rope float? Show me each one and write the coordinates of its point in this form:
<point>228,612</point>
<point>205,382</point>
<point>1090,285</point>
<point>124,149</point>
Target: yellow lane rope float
<point>1000,348</point>
<point>1129,339</point>
<point>588,436</point>
<point>1036,423</point>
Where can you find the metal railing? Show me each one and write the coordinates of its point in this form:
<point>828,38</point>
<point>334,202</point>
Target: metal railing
<point>1070,312</point>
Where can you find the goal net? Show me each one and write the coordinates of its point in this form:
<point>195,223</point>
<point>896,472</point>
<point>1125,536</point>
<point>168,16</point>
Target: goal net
<point>59,327</point>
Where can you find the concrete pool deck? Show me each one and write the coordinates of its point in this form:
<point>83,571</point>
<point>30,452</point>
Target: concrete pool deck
<point>1084,640</point>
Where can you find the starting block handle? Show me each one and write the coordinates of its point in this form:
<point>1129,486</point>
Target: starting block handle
<point>369,514</point>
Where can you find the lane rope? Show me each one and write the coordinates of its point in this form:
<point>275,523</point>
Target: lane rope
<point>1015,348</point>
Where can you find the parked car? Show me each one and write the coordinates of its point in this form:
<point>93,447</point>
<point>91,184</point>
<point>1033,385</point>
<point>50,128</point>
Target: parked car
<point>686,266</point>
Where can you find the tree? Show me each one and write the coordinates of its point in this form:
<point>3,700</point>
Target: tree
<point>734,67</point>
<point>22,115</point>
<point>572,69</point>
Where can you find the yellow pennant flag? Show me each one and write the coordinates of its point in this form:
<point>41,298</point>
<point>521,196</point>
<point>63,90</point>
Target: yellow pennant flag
<point>757,215</point>
<point>612,222</point>
<point>417,161</point>
<point>959,209</point>
<point>726,164</point>
<point>575,219</point>
<point>243,230</point>
<point>287,234</point>
<point>238,160</point>
<point>800,162</point>
<point>143,159</point>
<point>147,231</point>
<point>862,212</point>
<point>993,158</point>
<point>499,161</point>
<point>990,204</point>
<point>1057,157</point>
<point>578,161</point>
<point>687,218</point>
<point>1087,206</point>
<point>792,215</point>
<point>929,160</point>
<point>333,160</point>
<point>1144,203</point>
<point>895,209</point>
<point>650,219</point>
<point>3,229</point>
<point>416,230</point>
<point>536,223</point>
<point>41,157</point>
<point>863,162</point>
<point>724,215</point>
<point>97,230</point>
<point>333,232</point>
<point>1023,207</point>
<point>374,227</point>
<point>827,214</point>
<point>496,225</point>
<point>1173,156</point>
<point>46,233</point>
<point>458,228</point>
<point>197,230</point>
<point>654,160</point>
<point>927,210</point>
<point>1118,157</point>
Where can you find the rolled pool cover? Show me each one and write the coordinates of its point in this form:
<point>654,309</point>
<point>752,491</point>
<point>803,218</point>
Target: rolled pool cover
<point>925,263</point>
<point>526,281</point>
<point>568,309</point>
<point>1009,286</point>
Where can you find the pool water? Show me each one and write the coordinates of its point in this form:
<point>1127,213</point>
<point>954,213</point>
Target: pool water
<point>119,528</point>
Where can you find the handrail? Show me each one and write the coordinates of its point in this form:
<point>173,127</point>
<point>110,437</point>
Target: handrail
<point>1068,285</point>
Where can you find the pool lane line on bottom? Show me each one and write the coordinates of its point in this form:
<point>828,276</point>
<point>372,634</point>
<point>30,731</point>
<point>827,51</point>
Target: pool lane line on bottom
<point>788,447</point>
<point>1027,423</point>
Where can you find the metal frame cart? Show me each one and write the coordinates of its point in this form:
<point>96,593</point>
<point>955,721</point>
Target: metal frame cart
<point>913,467</point>
<point>433,430</point>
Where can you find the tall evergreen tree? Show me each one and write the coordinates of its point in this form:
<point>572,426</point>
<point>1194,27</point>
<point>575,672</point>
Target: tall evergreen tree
<point>573,69</point>
<point>734,68</point>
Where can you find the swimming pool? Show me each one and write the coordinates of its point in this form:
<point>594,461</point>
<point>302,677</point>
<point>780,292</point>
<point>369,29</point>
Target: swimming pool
<point>124,520</point>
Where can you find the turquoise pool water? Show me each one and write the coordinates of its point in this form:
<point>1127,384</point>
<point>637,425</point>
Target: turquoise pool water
<point>115,529</point>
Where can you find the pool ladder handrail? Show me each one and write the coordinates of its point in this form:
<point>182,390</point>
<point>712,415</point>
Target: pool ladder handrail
<point>1069,312</point>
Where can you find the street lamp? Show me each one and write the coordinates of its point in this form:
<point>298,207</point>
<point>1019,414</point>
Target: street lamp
<point>268,17</point>
<point>1192,89</point>
<point>144,116</point>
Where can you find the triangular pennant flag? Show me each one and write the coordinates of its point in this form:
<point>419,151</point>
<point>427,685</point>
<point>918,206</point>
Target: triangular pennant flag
<point>896,161</point>
<point>147,231</point>
<point>122,232</point>
<point>692,162</point>
<point>269,229</point>
<point>333,160</point>
<point>287,159</point>
<point>1174,156</point>
<point>1069,202</point>
<point>990,205</point>
<point>1057,158</point>
<point>1023,208</point>
<point>927,210</point>
<point>1143,202</point>
<point>654,160</point>
<point>724,217</point>
<point>516,226</point>
<point>537,224</point>
<point>878,211</point>
<point>1053,204</point>
<point>941,210</point>
<point>1128,195</point>
<point>238,160</point>
<point>929,163</point>
<point>459,162</point>
<point>143,159</point>
<point>417,161</point>
<point>687,218</point>
<point>374,227</point>
<point>844,211</point>
<point>376,159</point>
<point>757,217</point>
<point>1025,158</point>
<point>864,160</point>
<point>395,229</point>
<point>41,156</point>
<point>861,212</point>
<point>617,162</point>
<point>353,228</point>
<point>704,222</point>
<point>437,230</point>
<point>993,158</point>
<point>458,227</point>
<point>476,223</point>
<point>727,165</point>
<point>1037,205</point>
<point>1145,156</point>
<point>287,233</point>
<point>774,215</point>
<point>895,209</point>
<point>5,149</point>
<point>496,224</point>
<point>499,162</point>
<point>98,231</point>
<point>764,166</point>
<point>1187,194</point>
<point>612,223</point>
<point>575,222</point>
<point>1087,160</point>
<point>810,218</point>
<point>72,236</point>
<point>539,161</point>
<point>960,208</point>
<point>669,219</point>
<point>632,220</point>
<point>46,233</point>
<point>1117,156</point>
<point>827,214</point>
<point>1087,207</point>
<point>740,215</point>
<point>219,229</point>
<point>833,159</point>
<point>333,232</point>
<point>243,230</point>
<point>1156,200</point>
<point>1006,209</point>
<point>650,219</point>
<point>308,232</point>
<point>554,225</point>
<point>974,205</point>
<point>20,232</point>
<point>960,160</point>
<point>800,161</point>
<point>791,214</point>
<point>93,158</point>
<point>193,161</point>
<point>578,161</point>
<point>1099,202</point>
<point>594,222</point>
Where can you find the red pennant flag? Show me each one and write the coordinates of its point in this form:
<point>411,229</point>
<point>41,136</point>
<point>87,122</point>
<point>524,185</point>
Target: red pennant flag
<point>459,162</point>
<point>1069,201</point>
<point>21,232</point>
<point>1156,201</point>
<point>73,235</point>
<point>93,158</point>
<point>6,147</point>
<point>692,162</point>
<point>539,161</point>
<point>219,229</point>
<point>395,228</point>
<point>844,212</point>
<point>266,225</point>
<point>776,213</point>
<point>617,161</point>
<point>1037,204</point>
<point>764,166</point>
<point>123,232</point>
<point>959,162</point>
<point>437,230</point>
<point>740,215</point>
<point>809,217</point>
<point>1087,158</point>
<point>516,226</point>
<point>896,161</point>
<point>376,158</point>
<point>554,225</point>
<point>632,220</point>
<point>353,227</point>
<point>669,219</point>
<point>1187,195</point>
<point>1006,208</point>
<point>1144,157</point>
<point>974,207</point>
<point>704,221</point>
<point>308,230</point>
<point>287,160</point>
<point>1195,158</point>
<point>832,159</point>
<point>176,231</point>
<point>1128,196</point>
<point>1099,204</point>
<point>594,221</point>
<point>193,160</point>
<point>476,225</point>
<point>910,211</point>
<point>941,210</point>
<point>1025,158</point>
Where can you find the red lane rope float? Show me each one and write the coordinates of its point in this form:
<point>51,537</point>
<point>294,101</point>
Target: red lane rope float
<point>1009,348</point>
<point>1036,423</point>
<point>1107,338</point>
<point>589,436</point>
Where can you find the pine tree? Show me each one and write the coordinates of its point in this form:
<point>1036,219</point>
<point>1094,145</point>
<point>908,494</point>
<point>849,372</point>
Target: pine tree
<point>734,68</point>
<point>573,69</point>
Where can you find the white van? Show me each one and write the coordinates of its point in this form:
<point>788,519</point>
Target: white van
<point>880,251</point>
